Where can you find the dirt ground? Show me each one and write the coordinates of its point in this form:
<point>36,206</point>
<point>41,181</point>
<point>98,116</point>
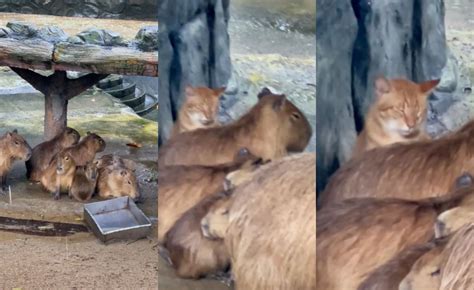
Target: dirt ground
<point>79,261</point>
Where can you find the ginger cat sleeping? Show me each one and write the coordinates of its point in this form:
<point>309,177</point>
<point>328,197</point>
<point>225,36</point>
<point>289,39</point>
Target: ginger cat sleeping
<point>199,109</point>
<point>397,115</point>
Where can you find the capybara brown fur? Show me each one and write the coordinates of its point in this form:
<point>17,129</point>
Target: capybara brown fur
<point>192,254</point>
<point>58,176</point>
<point>44,152</point>
<point>86,149</point>
<point>84,182</point>
<point>215,223</point>
<point>271,129</point>
<point>182,186</point>
<point>117,181</point>
<point>410,171</point>
<point>115,160</point>
<point>390,275</point>
<point>356,236</point>
<point>271,235</point>
<point>447,268</point>
<point>12,147</point>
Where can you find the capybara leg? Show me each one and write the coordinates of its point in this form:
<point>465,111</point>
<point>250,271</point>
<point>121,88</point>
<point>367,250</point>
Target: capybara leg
<point>224,277</point>
<point>164,253</point>
<point>56,194</point>
<point>4,183</point>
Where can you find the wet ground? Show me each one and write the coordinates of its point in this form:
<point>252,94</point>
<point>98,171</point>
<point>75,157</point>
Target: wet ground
<point>33,261</point>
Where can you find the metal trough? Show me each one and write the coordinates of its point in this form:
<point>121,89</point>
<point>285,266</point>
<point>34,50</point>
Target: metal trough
<point>116,219</point>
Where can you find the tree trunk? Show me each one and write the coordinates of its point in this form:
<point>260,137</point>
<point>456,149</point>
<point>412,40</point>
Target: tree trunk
<point>55,117</point>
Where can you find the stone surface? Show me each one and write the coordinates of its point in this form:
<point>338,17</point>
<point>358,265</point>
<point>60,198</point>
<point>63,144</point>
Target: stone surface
<point>193,40</point>
<point>101,37</point>
<point>336,30</point>
<point>147,38</point>
<point>22,28</point>
<point>123,9</point>
<point>52,34</point>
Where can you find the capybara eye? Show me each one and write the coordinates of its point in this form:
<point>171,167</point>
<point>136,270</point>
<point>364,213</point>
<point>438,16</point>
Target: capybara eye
<point>225,212</point>
<point>17,143</point>
<point>66,158</point>
<point>296,115</point>
<point>129,182</point>
<point>435,273</point>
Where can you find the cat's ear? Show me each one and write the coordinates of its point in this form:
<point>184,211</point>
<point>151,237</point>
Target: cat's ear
<point>382,86</point>
<point>189,91</point>
<point>218,92</point>
<point>428,86</point>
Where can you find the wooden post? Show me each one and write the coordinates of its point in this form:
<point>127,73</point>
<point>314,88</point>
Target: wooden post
<point>57,90</point>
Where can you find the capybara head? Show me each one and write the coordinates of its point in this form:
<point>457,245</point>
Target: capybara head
<point>215,223</point>
<point>243,174</point>
<point>69,137</point>
<point>95,141</point>
<point>293,124</point>
<point>123,182</point>
<point>64,162</point>
<point>16,146</point>
<point>401,104</point>
<point>90,171</point>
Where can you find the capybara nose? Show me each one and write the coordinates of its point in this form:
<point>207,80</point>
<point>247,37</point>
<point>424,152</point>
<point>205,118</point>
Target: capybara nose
<point>440,228</point>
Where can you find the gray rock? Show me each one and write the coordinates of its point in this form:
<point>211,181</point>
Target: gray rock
<point>449,76</point>
<point>336,29</point>
<point>147,38</point>
<point>75,40</point>
<point>23,28</point>
<point>4,31</point>
<point>52,34</point>
<point>194,50</point>
<point>101,37</point>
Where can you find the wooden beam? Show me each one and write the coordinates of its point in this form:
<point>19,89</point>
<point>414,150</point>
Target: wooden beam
<point>38,54</point>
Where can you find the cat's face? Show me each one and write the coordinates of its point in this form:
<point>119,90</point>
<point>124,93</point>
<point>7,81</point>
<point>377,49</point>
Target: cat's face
<point>402,105</point>
<point>202,105</point>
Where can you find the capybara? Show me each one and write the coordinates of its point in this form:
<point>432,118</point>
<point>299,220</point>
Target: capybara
<point>86,149</point>
<point>115,160</point>
<point>410,171</point>
<point>192,254</point>
<point>182,187</point>
<point>271,129</point>
<point>215,223</point>
<point>12,147</point>
<point>390,275</point>
<point>117,181</point>
<point>84,182</point>
<point>58,176</point>
<point>271,235</point>
<point>448,268</point>
<point>44,152</point>
<point>356,236</point>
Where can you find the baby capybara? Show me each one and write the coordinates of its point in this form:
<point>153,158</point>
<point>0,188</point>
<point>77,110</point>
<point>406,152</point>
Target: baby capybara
<point>271,129</point>
<point>192,254</point>
<point>44,152</point>
<point>86,149</point>
<point>12,147</point>
<point>117,181</point>
<point>115,160</point>
<point>84,182</point>
<point>58,176</point>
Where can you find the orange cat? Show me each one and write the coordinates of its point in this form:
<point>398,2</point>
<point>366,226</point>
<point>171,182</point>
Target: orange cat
<point>199,109</point>
<point>398,114</point>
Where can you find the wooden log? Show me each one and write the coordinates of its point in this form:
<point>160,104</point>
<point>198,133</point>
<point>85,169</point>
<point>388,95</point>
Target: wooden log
<point>29,53</point>
<point>105,60</point>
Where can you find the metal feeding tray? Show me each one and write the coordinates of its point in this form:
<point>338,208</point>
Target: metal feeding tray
<point>116,219</point>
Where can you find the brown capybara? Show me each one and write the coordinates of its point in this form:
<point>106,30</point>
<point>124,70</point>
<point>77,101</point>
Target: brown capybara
<point>12,147</point>
<point>447,268</point>
<point>356,243</point>
<point>84,182</point>
<point>117,181</point>
<point>193,255</point>
<point>182,187</point>
<point>390,275</point>
<point>115,160</point>
<point>271,129</point>
<point>410,171</point>
<point>86,149</point>
<point>271,234</point>
<point>44,152</point>
<point>58,176</point>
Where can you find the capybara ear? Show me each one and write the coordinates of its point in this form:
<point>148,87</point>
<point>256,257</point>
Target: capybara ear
<point>428,86</point>
<point>264,92</point>
<point>15,131</point>
<point>279,102</point>
<point>88,133</point>
<point>382,86</point>
<point>465,180</point>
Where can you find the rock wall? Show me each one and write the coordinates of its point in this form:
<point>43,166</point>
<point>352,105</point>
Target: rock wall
<point>194,50</point>
<point>356,40</point>
<point>122,9</point>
